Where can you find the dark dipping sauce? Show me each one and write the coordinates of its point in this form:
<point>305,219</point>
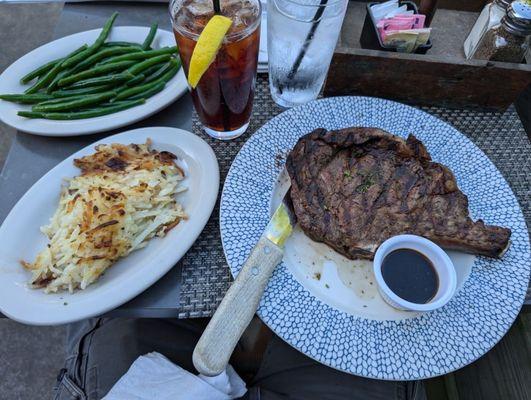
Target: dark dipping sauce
<point>410,275</point>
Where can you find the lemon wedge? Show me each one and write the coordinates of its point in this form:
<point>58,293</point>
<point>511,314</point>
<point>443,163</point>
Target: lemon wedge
<point>207,47</point>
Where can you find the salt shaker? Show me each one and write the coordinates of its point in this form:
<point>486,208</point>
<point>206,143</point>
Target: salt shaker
<point>508,41</point>
<point>490,16</point>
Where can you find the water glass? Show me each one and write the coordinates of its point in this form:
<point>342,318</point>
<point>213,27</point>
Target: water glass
<point>302,35</point>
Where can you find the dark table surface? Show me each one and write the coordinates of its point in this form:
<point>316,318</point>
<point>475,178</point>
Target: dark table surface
<point>30,157</point>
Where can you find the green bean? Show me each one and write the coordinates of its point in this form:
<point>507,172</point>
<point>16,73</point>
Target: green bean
<point>75,104</point>
<point>106,29</point>
<point>137,68</point>
<point>30,114</point>
<point>109,104</point>
<point>57,100</point>
<point>45,80</point>
<point>96,71</point>
<point>70,62</point>
<point>103,53</point>
<point>52,73</point>
<point>103,80</point>
<point>137,90</point>
<point>136,80</point>
<point>53,84</point>
<point>142,89</point>
<point>39,71</point>
<point>150,36</point>
<point>76,92</point>
<point>140,78</point>
<point>151,70</point>
<point>25,98</point>
<point>122,44</point>
<point>142,55</point>
<point>172,72</point>
<point>165,68</point>
<point>149,92</point>
<point>91,113</point>
<point>159,72</point>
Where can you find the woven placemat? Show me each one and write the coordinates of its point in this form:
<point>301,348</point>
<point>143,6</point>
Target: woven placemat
<point>205,274</point>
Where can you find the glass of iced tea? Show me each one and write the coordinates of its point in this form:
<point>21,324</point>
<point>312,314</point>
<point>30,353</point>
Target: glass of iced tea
<point>223,98</point>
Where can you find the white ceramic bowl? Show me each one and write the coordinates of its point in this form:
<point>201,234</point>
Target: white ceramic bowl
<point>440,260</point>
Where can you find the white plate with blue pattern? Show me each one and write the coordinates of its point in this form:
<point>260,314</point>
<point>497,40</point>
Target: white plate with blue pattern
<point>325,305</point>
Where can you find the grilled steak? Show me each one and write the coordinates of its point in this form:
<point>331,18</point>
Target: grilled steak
<point>354,188</point>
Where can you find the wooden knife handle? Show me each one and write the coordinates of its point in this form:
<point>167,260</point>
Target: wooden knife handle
<point>212,352</point>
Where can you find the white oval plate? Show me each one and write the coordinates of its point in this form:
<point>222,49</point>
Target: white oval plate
<point>10,83</point>
<point>20,237</point>
<point>338,319</point>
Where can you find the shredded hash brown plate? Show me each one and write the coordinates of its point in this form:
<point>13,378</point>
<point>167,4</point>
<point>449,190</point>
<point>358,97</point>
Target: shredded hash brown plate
<point>124,196</point>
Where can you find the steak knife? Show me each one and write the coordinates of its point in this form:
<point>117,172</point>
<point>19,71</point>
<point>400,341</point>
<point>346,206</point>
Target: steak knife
<point>212,352</point>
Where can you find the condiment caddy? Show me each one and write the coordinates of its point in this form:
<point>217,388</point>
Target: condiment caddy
<point>442,77</point>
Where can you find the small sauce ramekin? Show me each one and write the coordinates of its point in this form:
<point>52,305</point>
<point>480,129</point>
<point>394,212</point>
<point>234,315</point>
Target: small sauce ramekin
<point>441,262</point>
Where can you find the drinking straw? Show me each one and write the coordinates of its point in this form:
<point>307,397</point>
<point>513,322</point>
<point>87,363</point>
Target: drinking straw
<point>217,7</point>
<point>309,37</point>
<point>225,111</point>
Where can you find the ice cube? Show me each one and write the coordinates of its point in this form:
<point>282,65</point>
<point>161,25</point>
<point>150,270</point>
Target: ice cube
<point>233,4</point>
<point>200,8</point>
<point>242,12</point>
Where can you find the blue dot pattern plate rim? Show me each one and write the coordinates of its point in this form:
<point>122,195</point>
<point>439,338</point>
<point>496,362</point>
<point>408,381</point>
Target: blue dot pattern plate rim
<point>431,344</point>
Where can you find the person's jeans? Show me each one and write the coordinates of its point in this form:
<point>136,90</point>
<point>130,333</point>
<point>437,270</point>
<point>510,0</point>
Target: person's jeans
<point>102,350</point>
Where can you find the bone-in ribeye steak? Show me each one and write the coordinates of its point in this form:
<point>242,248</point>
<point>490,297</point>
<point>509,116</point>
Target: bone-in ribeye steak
<point>354,188</point>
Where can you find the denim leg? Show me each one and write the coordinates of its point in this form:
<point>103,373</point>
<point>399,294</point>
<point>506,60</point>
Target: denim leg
<point>102,350</point>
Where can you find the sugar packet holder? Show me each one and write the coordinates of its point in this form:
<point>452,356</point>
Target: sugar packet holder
<point>371,39</point>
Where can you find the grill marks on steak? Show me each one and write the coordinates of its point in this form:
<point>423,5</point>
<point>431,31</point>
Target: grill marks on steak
<point>354,188</point>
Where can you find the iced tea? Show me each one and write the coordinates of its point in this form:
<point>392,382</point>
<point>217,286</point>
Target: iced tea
<point>224,95</point>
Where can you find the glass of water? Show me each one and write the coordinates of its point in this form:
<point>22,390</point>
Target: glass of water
<point>301,38</point>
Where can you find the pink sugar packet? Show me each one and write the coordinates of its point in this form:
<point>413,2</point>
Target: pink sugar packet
<point>402,21</point>
<point>399,23</point>
<point>395,24</point>
<point>419,21</point>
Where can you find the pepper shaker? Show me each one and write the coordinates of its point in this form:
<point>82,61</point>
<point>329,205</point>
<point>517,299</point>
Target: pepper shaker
<point>490,16</point>
<point>508,41</point>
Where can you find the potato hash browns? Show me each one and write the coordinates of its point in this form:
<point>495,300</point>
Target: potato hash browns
<point>124,196</point>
